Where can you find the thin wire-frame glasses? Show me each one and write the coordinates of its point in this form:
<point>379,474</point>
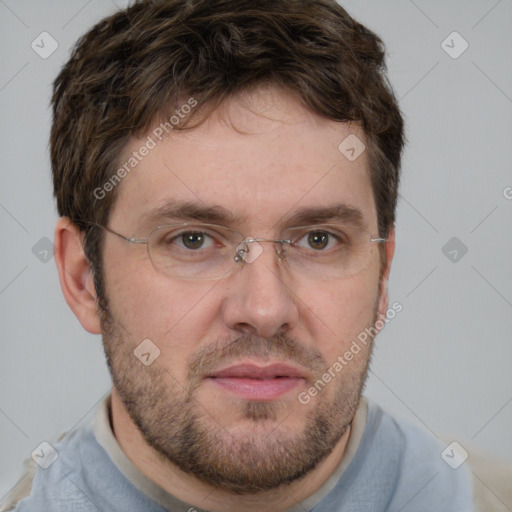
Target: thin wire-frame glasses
<point>199,251</point>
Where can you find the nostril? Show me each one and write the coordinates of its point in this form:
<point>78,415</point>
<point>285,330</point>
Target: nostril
<point>245,328</point>
<point>283,329</point>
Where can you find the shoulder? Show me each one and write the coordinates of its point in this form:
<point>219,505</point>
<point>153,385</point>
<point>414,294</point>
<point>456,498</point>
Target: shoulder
<point>430,474</point>
<point>21,489</point>
<point>54,484</point>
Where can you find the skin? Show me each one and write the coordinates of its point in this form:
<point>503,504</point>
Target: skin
<point>261,156</point>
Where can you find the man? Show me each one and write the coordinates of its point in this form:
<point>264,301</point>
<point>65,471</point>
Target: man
<point>226,174</point>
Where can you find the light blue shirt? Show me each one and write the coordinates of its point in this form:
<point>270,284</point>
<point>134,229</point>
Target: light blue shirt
<point>389,465</point>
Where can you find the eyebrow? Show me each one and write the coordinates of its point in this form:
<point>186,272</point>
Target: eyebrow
<point>340,212</point>
<point>186,210</point>
<point>183,211</point>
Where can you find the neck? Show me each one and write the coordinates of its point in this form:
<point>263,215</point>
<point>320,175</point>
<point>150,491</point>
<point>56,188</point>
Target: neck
<point>192,491</point>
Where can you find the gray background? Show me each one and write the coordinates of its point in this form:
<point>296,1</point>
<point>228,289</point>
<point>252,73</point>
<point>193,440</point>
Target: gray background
<point>444,361</point>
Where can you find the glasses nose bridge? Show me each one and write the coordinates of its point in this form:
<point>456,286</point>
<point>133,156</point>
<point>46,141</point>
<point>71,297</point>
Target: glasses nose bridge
<point>243,252</point>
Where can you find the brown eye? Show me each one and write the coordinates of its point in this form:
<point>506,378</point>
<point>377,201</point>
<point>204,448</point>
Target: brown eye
<point>318,240</point>
<point>193,240</point>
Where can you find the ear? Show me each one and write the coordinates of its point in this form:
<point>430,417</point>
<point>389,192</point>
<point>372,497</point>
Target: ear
<point>75,275</point>
<point>383,285</point>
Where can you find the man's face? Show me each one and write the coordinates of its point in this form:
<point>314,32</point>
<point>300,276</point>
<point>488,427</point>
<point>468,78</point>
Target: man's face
<point>240,430</point>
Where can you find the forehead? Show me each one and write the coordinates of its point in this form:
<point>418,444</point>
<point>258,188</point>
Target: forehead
<point>258,160</point>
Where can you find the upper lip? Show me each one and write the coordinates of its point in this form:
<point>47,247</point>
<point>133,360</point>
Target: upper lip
<point>253,371</point>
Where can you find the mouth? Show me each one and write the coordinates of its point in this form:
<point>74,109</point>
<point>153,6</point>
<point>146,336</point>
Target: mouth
<point>260,383</point>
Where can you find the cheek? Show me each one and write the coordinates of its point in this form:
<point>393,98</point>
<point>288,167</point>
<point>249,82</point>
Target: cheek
<point>174,315</point>
<point>338,314</point>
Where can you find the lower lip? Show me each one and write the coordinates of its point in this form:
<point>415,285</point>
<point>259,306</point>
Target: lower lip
<point>258,389</point>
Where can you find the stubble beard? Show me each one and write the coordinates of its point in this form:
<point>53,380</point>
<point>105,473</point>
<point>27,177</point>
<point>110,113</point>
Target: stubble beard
<point>178,426</point>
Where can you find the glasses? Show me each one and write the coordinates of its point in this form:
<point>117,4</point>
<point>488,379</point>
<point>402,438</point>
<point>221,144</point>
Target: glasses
<point>196,251</point>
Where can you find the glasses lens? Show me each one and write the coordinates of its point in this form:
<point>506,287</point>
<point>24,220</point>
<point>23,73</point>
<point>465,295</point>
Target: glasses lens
<point>207,251</point>
<point>329,251</point>
<point>193,251</point>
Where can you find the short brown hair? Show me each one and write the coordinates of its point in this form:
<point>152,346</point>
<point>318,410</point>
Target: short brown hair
<point>135,66</point>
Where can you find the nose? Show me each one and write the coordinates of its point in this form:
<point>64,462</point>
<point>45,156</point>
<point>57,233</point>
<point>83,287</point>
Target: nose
<point>260,302</point>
